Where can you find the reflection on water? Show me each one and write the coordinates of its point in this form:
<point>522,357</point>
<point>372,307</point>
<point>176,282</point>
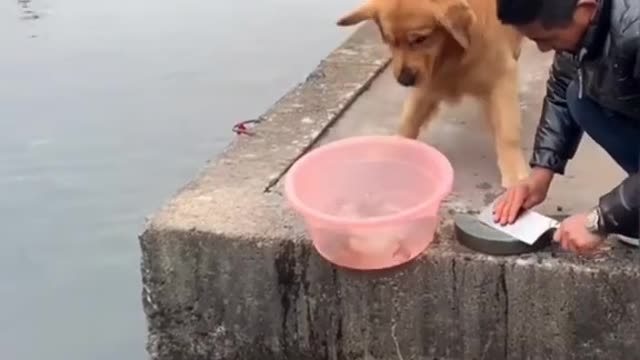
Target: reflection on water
<point>106,108</point>
<point>27,12</point>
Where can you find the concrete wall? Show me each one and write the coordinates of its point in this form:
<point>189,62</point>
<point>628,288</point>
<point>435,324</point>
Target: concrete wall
<point>229,274</point>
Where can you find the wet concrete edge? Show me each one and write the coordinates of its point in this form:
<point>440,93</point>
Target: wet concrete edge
<point>251,166</point>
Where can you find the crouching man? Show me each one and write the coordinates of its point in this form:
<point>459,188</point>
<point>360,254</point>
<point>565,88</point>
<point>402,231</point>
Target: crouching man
<point>593,88</point>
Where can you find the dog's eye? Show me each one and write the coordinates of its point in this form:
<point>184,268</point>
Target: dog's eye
<point>419,40</point>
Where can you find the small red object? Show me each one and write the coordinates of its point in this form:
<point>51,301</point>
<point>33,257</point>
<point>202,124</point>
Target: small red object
<point>244,128</point>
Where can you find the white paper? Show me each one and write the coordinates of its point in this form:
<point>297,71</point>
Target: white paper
<point>529,226</point>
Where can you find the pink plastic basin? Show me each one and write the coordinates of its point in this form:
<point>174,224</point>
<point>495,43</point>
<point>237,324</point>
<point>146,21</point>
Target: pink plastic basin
<point>370,202</point>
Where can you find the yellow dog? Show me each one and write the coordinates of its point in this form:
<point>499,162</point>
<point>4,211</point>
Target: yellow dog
<point>446,49</point>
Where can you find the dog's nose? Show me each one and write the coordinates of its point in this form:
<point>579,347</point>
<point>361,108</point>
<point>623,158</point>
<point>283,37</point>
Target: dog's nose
<point>407,77</point>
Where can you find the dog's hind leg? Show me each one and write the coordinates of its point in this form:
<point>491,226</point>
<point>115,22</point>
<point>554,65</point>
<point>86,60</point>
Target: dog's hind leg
<point>418,109</point>
<point>502,109</point>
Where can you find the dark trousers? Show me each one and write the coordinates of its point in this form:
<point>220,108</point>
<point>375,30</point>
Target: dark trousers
<point>617,134</point>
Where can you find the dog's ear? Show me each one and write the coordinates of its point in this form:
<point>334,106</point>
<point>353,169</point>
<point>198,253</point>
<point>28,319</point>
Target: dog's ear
<point>364,12</point>
<point>457,20</point>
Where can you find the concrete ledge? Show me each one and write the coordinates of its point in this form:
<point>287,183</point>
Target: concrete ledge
<point>229,274</point>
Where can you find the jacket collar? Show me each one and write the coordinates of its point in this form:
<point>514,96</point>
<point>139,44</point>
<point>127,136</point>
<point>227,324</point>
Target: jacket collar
<point>593,40</point>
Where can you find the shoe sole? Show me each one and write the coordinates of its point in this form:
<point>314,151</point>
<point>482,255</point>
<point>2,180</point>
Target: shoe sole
<point>629,241</point>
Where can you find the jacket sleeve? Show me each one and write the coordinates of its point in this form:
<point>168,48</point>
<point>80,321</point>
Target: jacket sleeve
<point>636,69</point>
<point>621,208</point>
<point>558,135</point>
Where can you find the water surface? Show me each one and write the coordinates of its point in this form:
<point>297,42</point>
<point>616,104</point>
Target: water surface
<point>106,109</point>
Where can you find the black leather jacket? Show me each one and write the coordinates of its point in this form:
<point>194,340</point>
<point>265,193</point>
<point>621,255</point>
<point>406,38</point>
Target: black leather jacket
<point>607,68</point>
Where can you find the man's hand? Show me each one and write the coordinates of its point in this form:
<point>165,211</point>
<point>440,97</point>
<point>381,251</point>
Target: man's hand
<point>573,235</point>
<point>524,195</point>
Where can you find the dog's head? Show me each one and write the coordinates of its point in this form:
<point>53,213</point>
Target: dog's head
<point>416,31</point>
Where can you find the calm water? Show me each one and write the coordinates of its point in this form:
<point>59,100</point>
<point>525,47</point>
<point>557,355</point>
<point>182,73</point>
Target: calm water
<point>106,109</point>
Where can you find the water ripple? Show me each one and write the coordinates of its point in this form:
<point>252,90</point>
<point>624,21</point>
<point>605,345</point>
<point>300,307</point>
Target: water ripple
<point>27,11</point>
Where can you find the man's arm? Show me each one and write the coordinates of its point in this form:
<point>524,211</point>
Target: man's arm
<point>621,208</point>
<point>557,135</point>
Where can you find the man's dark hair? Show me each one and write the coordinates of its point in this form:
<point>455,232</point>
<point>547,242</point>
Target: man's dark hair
<point>550,13</point>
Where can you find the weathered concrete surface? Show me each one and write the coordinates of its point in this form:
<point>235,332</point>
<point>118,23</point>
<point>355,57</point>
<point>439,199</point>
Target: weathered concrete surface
<point>229,274</point>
